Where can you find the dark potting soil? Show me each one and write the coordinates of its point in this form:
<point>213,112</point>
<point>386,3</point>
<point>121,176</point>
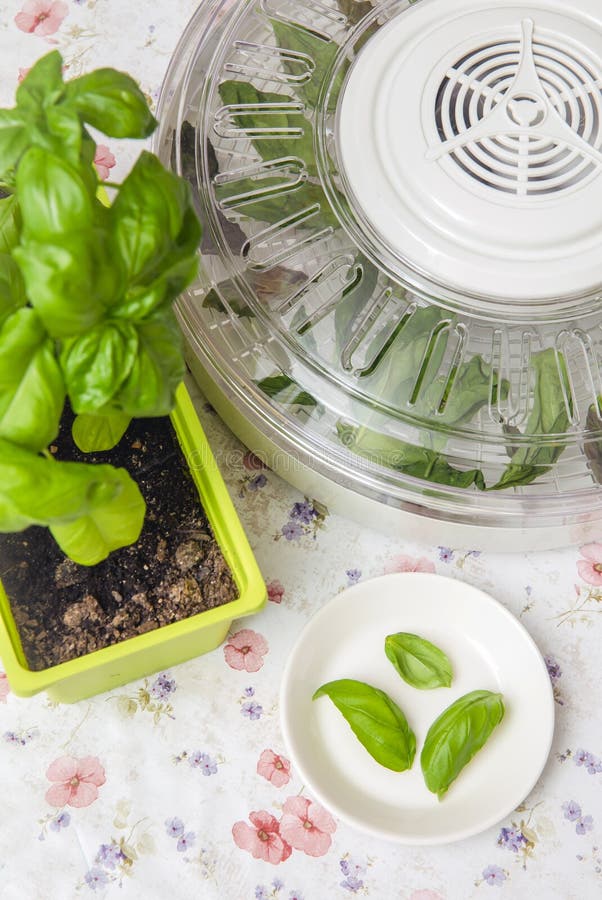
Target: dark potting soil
<point>176,569</point>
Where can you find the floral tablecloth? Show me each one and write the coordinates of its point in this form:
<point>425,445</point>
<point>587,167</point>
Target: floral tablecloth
<point>179,785</point>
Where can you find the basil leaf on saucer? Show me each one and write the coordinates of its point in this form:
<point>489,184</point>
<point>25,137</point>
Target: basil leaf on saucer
<point>453,739</point>
<point>420,663</point>
<point>377,722</point>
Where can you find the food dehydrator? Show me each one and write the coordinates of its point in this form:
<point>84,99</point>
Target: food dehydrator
<point>399,306</point>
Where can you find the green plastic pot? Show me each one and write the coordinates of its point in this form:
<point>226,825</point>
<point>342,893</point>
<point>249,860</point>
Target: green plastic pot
<point>136,657</point>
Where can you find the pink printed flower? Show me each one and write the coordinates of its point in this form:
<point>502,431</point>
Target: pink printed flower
<point>4,687</point>
<point>245,650</point>
<point>77,781</point>
<point>404,563</point>
<point>275,591</point>
<point>277,769</point>
<point>252,463</point>
<point>104,161</point>
<point>41,17</point>
<point>306,826</point>
<point>425,895</point>
<point>263,841</point>
<point>590,568</point>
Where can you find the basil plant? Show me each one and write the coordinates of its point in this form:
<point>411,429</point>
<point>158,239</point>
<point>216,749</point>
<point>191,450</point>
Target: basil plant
<point>86,293</point>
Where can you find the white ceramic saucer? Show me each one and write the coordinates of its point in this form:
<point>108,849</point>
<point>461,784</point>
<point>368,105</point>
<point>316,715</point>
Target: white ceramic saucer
<point>489,649</point>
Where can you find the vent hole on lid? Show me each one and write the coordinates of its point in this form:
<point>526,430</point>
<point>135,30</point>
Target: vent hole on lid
<point>453,110</point>
<point>438,106</point>
<point>482,177</point>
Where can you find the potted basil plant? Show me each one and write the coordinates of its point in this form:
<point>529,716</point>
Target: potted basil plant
<point>90,357</point>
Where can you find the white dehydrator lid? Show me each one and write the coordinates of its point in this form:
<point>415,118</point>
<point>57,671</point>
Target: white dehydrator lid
<point>470,135</point>
<point>401,280</point>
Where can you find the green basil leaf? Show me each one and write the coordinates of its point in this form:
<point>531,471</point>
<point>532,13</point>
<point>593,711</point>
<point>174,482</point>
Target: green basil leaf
<point>419,462</point>
<point>354,299</point>
<point>140,301</point>
<point>273,208</point>
<point>403,354</point>
<point>548,416</point>
<point>376,721</point>
<point>102,502</point>
<point>286,391</point>
<point>97,363</point>
<point>14,140</point>
<point>110,524</point>
<point>66,135</point>
<point>53,198</point>
<point>112,102</point>
<point>240,93</point>
<point>153,223</point>
<point>420,663</point>
<point>95,434</point>
<point>180,267</point>
<point>355,10</point>
<point>32,392</point>
<point>12,287</point>
<point>178,270</point>
<point>320,50</point>
<point>213,301</point>
<point>70,283</point>
<point>456,735</point>
<point>10,223</point>
<point>470,392</point>
<point>158,369</point>
<point>43,85</point>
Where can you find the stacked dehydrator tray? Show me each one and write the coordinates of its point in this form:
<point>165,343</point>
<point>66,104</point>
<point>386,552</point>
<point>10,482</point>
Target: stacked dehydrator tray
<point>400,302</point>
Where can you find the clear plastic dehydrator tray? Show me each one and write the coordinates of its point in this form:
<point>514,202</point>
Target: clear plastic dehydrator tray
<point>401,282</point>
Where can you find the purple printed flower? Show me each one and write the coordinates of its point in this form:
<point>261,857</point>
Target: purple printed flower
<point>554,670</point>
<point>511,839</point>
<point>256,483</point>
<point>446,554</point>
<point>304,512</point>
<point>494,875</point>
<point>249,691</point>
<point>292,531</point>
<point>252,710</point>
<point>203,762</point>
<point>261,893</point>
<point>11,738</point>
<point>277,884</point>
<point>571,810</point>
<point>353,575</point>
<point>174,827</point>
<point>591,762</point>
<point>295,895</point>
<point>581,757</point>
<point>186,841</point>
<point>60,821</point>
<point>593,765</point>
<point>109,855</point>
<point>352,884</point>
<point>163,686</point>
<point>585,823</point>
<point>96,878</point>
